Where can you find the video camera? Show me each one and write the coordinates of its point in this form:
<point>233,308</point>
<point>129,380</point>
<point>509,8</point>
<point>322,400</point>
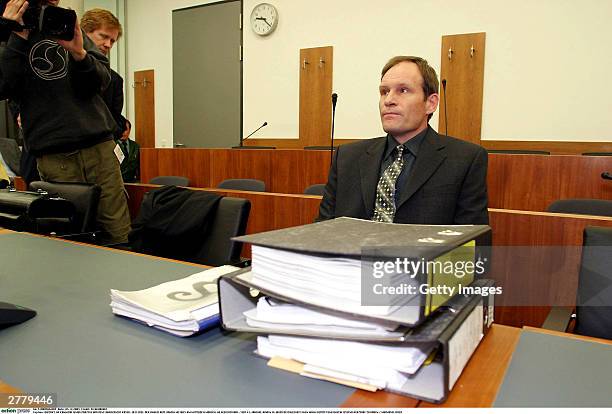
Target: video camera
<point>51,21</point>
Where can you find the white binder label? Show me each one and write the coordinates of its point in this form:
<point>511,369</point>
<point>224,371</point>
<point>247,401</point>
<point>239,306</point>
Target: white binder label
<point>463,343</point>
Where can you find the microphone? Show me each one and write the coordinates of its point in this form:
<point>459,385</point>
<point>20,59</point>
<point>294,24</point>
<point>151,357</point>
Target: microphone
<point>251,134</point>
<point>445,112</point>
<point>331,147</point>
<point>606,175</point>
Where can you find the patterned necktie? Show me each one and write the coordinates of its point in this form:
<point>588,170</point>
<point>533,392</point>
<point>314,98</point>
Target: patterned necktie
<point>124,145</point>
<point>384,207</point>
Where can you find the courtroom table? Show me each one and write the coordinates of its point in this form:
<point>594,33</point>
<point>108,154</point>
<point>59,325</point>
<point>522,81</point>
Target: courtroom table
<point>75,347</point>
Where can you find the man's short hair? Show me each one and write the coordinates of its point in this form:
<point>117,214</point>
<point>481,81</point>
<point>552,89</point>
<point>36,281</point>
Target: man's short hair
<point>94,19</point>
<point>430,78</point>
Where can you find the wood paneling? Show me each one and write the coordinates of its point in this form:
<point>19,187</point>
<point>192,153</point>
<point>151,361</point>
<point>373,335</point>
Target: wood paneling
<point>463,71</point>
<point>532,182</point>
<point>254,164</point>
<point>293,171</point>
<point>554,147</point>
<point>144,106</point>
<point>541,265</point>
<point>516,182</point>
<point>316,70</point>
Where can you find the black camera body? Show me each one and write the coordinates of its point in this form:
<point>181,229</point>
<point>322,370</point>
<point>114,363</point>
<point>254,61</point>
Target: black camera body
<point>51,21</point>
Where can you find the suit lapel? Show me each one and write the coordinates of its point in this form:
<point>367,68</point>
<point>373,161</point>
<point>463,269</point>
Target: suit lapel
<point>369,166</point>
<point>431,155</point>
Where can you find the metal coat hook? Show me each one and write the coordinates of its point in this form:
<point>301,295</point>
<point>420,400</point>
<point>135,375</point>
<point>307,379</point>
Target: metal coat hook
<point>472,50</point>
<point>321,62</point>
<point>450,53</point>
<point>304,63</point>
<point>143,82</point>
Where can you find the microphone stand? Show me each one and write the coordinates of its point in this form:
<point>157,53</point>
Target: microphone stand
<point>331,148</point>
<point>445,111</point>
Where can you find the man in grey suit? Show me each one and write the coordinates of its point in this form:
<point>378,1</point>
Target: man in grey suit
<point>412,175</point>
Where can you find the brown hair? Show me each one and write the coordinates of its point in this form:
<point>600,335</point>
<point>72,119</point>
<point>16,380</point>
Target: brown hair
<point>430,78</point>
<point>96,18</point>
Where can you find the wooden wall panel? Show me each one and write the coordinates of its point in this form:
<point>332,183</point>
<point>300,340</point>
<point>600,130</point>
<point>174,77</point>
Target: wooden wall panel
<point>316,69</point>
<point>517,182</point>
<point>293,171</point>
<point>463,69</point>
<point>537,274</point>
<point>144,106</point>
<point>554,147</point>
<point>226,164</point>
<point>532,182</point>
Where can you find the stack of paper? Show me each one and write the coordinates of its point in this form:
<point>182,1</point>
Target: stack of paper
<point>181,307</point>
<point>380,366</point>
<point>335,281</point>
<point>274,315</point>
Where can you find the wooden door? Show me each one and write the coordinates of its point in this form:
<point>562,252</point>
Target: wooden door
<point>144,104</point>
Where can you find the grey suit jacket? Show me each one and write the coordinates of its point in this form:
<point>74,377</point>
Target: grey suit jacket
<point>447,185</point>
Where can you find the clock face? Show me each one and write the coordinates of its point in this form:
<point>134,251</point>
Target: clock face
<point>264,19</point>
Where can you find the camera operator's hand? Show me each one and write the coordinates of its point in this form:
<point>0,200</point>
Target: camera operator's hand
<point>75,46</point>
<point>14,10</point>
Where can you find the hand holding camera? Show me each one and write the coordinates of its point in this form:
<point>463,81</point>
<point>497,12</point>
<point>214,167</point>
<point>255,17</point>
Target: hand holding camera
<point>21,16</point>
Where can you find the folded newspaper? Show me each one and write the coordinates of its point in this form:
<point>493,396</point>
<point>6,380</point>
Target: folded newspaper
<point>181,307</point>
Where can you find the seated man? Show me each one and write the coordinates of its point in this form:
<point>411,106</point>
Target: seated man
<point>412,175</point>
<point>130,162</point>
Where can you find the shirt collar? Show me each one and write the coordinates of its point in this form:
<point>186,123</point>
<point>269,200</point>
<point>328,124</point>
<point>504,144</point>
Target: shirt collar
<point>411,145</point>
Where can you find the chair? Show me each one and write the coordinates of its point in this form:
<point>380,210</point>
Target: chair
<point>85,198</point>
<point>502,151</point>
<point>591,207</point>
<point>315,189</point>
<point>161,231</point>
<point>170,180</point>
<point>230,221</point>
<point>603,154</point>
<point>243,184</point>
<point>593,315</point>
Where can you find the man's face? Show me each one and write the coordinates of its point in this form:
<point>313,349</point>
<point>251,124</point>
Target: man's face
<point>403,107</point>
<point>104,38</point>
<point>126,133</point>
<point>52,2</point>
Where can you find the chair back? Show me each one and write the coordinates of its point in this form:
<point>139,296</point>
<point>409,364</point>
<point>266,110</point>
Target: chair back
<point>85,198</point>
<point>594,299</point>
<point>593,207</point>
<point>170,180</point>
<point>315,189</point>
<point>242,184</point>
<point>230,220</point>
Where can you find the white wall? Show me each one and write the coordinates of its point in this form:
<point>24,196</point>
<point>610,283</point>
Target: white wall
<point>149,44</point>
<point>546,61</point>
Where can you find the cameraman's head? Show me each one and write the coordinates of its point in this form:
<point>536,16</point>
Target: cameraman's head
<point>102,27</point>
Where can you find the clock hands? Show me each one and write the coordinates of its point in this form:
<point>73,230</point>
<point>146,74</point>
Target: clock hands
<point>264,19</point>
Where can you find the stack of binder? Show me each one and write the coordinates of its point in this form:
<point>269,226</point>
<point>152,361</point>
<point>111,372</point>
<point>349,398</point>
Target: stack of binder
<point>415,345</point>
<point>181,307</point>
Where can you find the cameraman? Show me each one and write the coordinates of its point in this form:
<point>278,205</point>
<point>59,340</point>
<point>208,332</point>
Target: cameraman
<point>66,124</point>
